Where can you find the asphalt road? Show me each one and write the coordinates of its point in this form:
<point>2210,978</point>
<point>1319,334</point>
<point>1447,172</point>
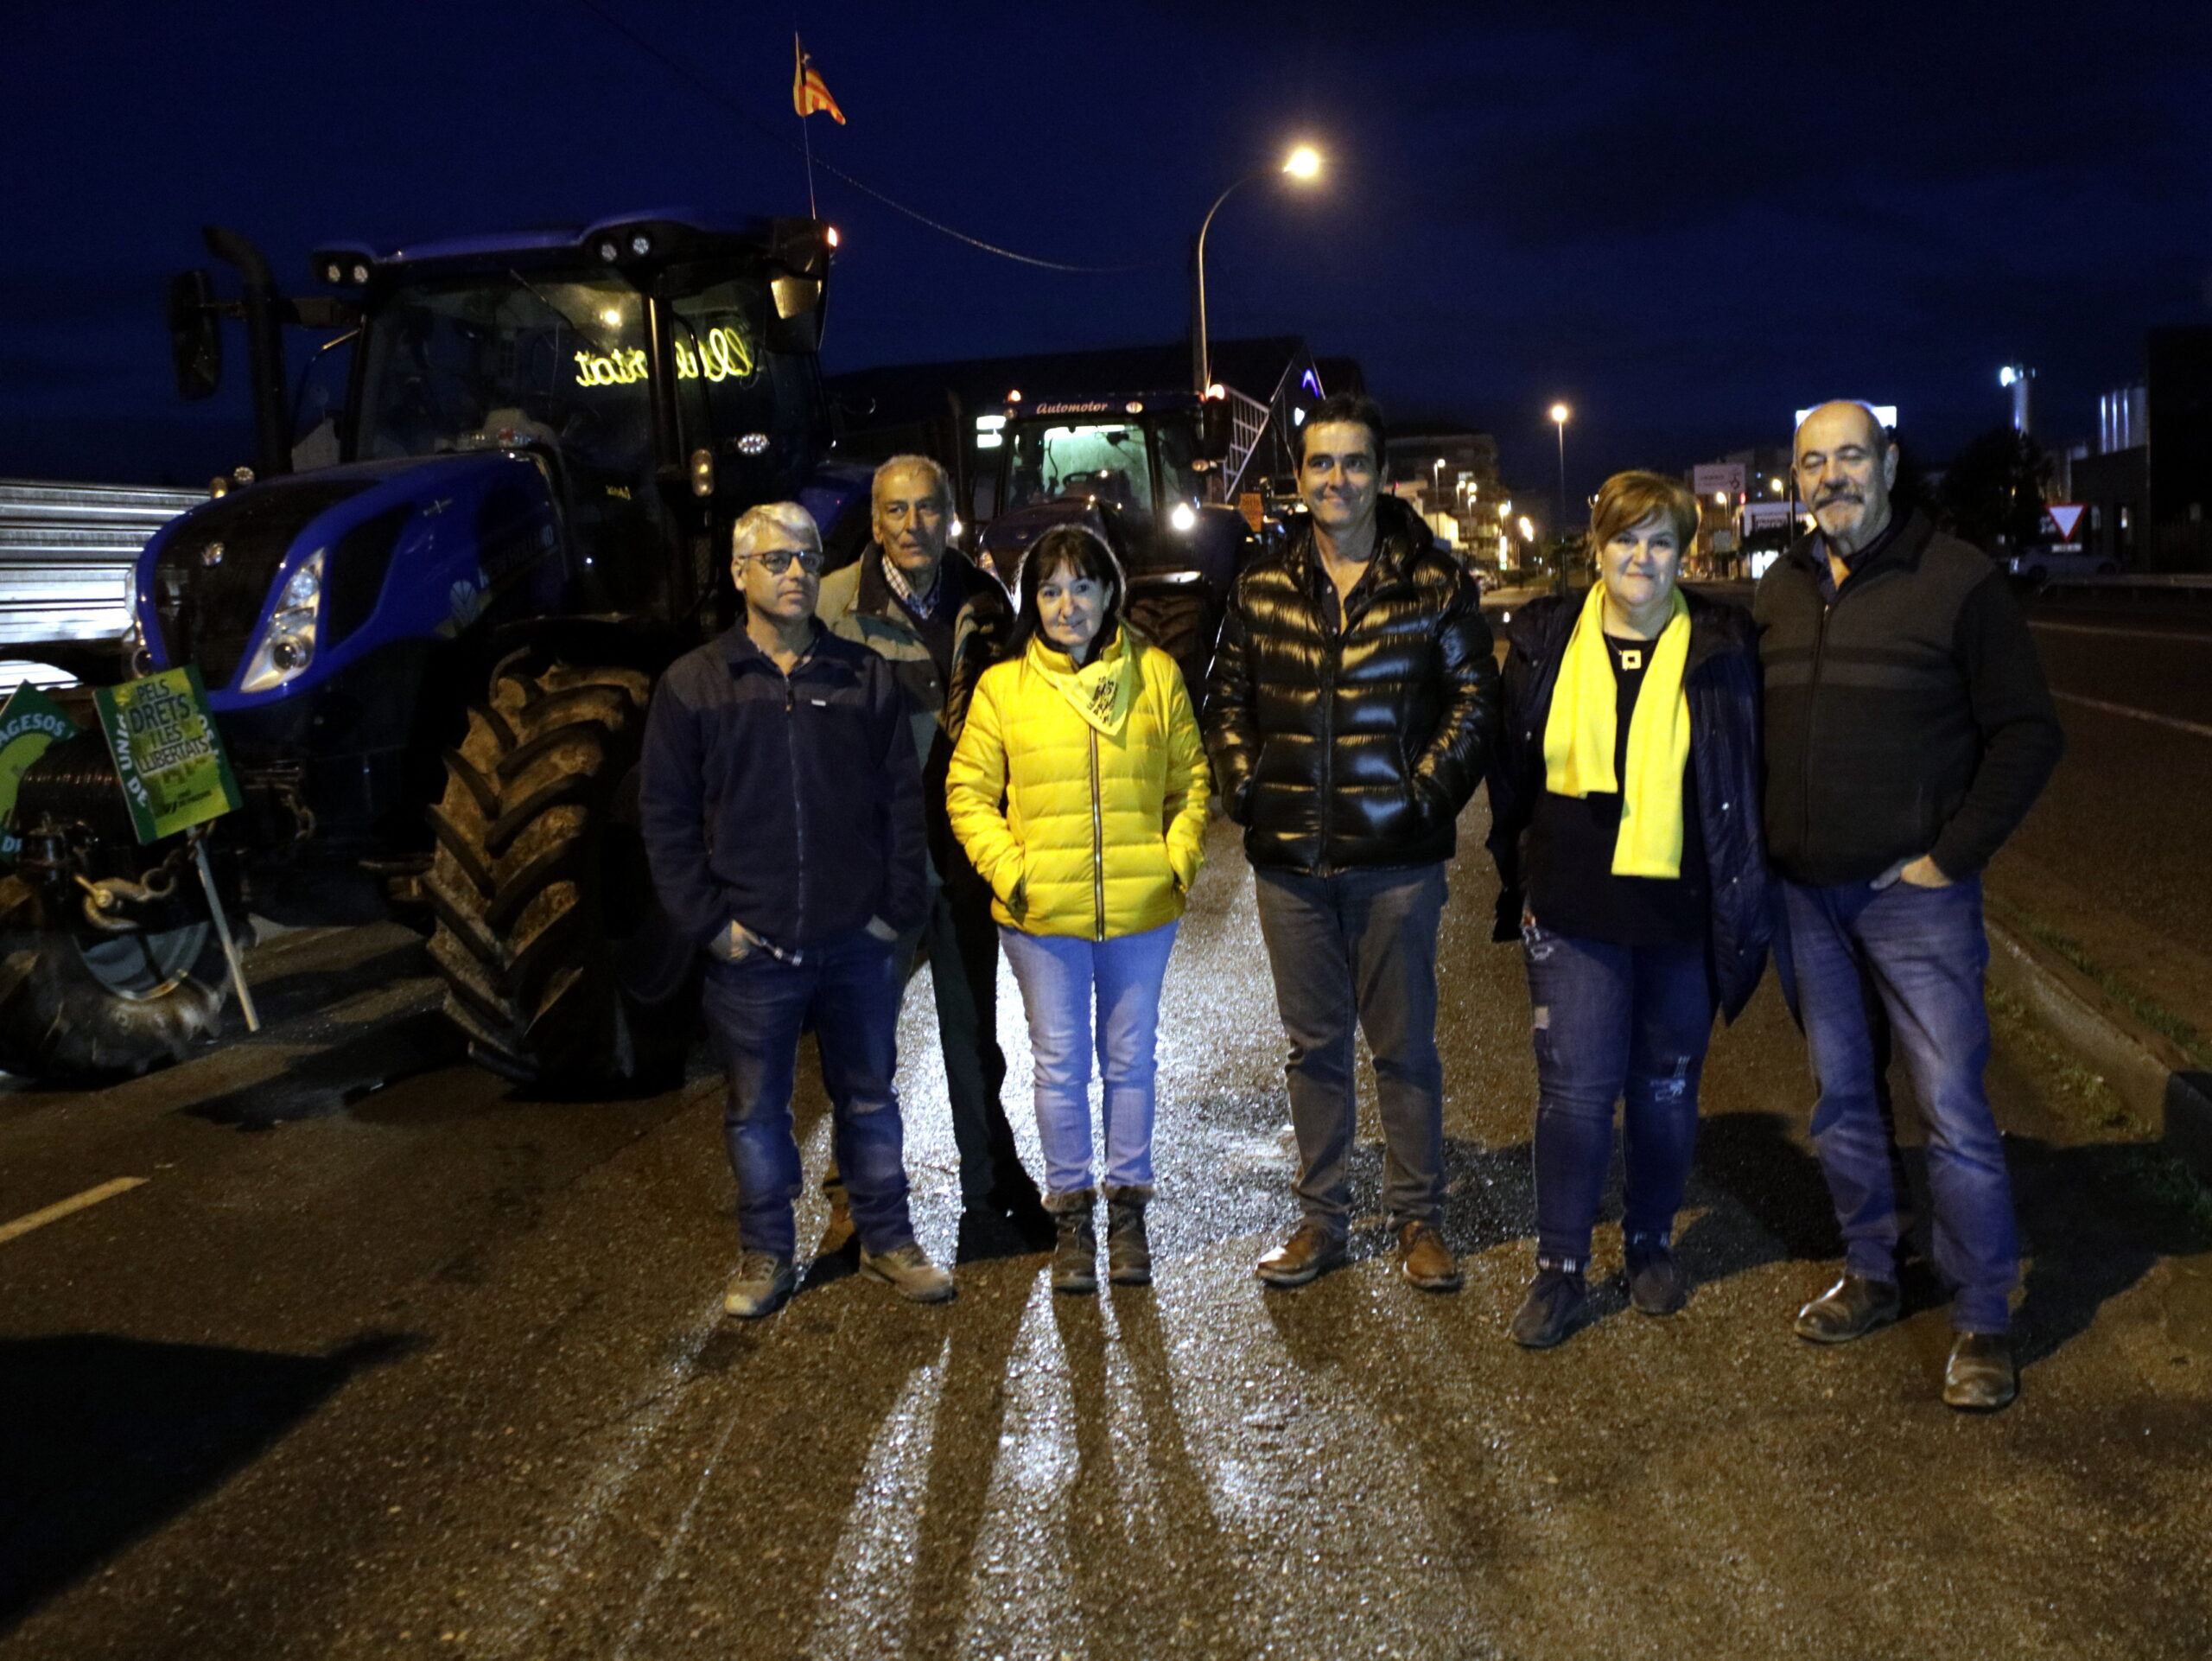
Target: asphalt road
<point>382,1360</point>
<point>2113,855</point>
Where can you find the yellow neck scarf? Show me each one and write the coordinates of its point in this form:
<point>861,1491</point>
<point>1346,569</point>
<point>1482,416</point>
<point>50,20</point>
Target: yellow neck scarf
<point>1580,733</point>
<point>1103,691</point>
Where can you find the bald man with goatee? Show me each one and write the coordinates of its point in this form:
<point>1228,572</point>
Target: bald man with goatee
<point>1908,732</point>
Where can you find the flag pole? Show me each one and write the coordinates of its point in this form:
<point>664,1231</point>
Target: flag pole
<point>805,134</point>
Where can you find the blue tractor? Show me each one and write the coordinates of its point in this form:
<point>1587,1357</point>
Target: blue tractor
<point>429,656</point>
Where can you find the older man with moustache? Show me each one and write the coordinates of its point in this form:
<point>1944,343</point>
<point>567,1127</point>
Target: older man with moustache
<point>1908,730</point>
<point>925,607</point>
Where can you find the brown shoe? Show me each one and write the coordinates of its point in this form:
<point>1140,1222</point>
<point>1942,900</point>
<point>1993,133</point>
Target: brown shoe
<point>1980,1377</point>
<point>1424,1260</point>
<point>1313,1250</point>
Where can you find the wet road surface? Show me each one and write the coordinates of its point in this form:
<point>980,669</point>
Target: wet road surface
<point>382,1361</point>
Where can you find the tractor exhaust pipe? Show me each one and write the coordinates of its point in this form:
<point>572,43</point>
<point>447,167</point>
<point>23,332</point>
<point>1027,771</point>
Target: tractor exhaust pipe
<point>264,345</point>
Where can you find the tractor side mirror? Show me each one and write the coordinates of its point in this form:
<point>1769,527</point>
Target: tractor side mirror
<point>1216,427</point>
<point>195,334</point>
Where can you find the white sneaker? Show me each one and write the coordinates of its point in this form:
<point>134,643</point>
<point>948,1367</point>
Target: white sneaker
<point>907,1271</point>
<point>762,1286</point>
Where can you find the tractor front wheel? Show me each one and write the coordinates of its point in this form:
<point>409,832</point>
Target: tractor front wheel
<point>559,965</point>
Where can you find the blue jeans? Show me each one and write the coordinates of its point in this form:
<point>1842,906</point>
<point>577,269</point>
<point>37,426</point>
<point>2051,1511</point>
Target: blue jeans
<point>849,986</point>
<point>1613,1023</point>
<point>1922,951</point>
<point>1360,945</point>
<point>1061,978</point>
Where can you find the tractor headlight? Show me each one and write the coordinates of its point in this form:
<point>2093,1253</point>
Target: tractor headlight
<point>1184,516</point>
<point>288,639</point>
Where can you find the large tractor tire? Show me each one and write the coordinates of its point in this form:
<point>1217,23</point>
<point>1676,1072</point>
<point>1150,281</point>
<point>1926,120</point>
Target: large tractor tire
<point>1182,620</point>
<point>559,966</point>
<point>78,1007</point>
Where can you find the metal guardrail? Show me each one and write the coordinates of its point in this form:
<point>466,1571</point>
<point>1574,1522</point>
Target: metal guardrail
<point>2140,580</point>
<point>66,556</point>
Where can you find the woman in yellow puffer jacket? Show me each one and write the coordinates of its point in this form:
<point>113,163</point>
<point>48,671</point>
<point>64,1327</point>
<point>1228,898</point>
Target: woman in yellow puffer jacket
<point>1078,790</point>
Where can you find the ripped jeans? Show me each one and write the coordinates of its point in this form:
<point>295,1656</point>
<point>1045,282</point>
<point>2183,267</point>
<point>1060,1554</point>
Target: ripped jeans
<point>1613,1023</point>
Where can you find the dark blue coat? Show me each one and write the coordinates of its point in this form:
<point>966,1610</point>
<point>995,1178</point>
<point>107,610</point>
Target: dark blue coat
<point>791,805</point>
<point>1721,680</point>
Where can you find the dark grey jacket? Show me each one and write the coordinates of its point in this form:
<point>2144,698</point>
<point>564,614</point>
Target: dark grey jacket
<point>1907,717</point>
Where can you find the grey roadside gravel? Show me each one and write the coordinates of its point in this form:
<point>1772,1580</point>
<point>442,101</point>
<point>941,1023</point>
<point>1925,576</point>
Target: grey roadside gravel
<point>568,1453</point>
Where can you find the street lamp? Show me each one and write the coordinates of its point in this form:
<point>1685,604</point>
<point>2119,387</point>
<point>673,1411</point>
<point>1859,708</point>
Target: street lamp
<point>1560,413</point>
<point>1304,164</point>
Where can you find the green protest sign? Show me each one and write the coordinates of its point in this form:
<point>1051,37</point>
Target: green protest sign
<point>167,752</point>
<point>28,723</point>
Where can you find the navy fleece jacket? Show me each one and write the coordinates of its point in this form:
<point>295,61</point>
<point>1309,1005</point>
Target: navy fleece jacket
<point>794,804</point>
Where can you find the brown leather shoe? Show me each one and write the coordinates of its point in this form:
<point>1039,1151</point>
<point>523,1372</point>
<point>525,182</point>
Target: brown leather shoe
<point>1311,1251</point>
<point>1850,1308</point>
<point>1424,1260</point>
<point>1980,1377</point>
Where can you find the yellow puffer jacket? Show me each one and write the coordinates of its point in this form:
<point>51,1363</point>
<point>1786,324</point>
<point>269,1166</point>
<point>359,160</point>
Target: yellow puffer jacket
<point>1080,795</point>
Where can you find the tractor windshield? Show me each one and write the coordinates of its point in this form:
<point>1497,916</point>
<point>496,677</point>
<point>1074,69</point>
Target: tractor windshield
<point>480,363</point>
<point>1054,460</point>
<point>754,408</point>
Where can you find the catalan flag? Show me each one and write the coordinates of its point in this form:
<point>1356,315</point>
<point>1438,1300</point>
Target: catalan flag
<point>809,92</point>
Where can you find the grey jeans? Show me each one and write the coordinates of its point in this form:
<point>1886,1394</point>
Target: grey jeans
<point>1360,945</point>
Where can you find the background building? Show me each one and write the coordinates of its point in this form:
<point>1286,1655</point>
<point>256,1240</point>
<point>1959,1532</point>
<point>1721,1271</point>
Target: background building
<point>2148,482</point>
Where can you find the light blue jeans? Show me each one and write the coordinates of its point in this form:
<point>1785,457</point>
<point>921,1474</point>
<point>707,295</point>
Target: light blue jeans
<point>1062,979</point>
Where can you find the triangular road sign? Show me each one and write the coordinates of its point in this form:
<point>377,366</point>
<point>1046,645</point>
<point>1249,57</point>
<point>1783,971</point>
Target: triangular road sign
<point>2065,516</point>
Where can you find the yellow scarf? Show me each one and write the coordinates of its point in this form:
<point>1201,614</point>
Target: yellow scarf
<point>1103,691</point>
<point>1580,733</point>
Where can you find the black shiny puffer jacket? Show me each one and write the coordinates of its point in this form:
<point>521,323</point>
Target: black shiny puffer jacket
<point>1354,747</point>
<point>1721,682</point>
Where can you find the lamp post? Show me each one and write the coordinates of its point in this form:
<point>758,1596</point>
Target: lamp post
<point>1560,413</point>
<point>1302,163</point>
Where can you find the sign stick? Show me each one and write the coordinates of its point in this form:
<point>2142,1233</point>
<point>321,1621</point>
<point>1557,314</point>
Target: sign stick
<point>223,932</point>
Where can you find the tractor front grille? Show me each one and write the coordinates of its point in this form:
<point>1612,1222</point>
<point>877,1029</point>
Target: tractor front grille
<point>212,581</point>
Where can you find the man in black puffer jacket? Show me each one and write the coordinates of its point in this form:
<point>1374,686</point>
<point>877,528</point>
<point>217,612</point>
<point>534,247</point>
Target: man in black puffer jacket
<point>1351,708</point>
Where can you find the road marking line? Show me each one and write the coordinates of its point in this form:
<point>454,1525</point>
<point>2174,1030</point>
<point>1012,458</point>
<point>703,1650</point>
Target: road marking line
<point>61,1208</point>
<point>2177,636</point>
<point>2196,727</point>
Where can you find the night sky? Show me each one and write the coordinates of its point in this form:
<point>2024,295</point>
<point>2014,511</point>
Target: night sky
<point>1686,221</point>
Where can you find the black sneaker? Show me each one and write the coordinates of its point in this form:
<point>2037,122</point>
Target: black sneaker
<point>1552,1308</point>
<point>1656,1285</point>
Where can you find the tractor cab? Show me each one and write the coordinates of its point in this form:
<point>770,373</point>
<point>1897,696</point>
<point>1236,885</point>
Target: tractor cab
<point>651,369</point>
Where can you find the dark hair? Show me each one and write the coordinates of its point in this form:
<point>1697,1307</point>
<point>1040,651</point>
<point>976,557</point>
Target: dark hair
<point>1075,548</point>
<point>1347,407</point>
<point>1627,500</point>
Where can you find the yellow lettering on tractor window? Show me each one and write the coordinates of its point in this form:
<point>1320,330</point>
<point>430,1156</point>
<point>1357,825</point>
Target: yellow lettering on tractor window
<point>720,354</point>
<point>617,368</point>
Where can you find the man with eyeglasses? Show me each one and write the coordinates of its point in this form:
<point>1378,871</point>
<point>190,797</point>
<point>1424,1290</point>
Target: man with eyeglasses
<point>939,622</point>
<point>782,816</point>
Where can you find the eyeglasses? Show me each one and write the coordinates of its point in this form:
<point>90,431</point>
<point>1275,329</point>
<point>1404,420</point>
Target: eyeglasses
<point>777,560</point>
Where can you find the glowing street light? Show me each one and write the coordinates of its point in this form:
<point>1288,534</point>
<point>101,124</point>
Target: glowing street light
<point>1560,413</point>
<point>1303,164</point>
